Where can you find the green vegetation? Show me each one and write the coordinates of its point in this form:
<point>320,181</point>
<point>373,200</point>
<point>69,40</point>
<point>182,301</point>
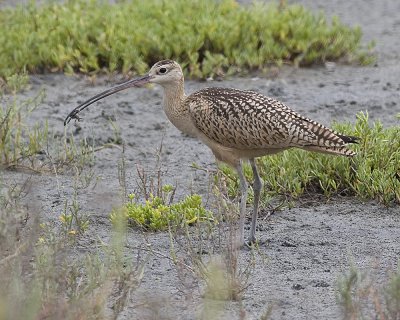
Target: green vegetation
<point>33,146</point>
<point>158,213</point>
<point>372,174</point>
<point>360,298</point>
<point>39,273</point>
<point>73,222</point>
<point>18,142</point>
<point>209,37</point>
<point>43,265</point>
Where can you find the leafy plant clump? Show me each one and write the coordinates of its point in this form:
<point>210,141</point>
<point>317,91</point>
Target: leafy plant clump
<point>207,36</point>
<point>374,173</point>
<point>158,214</point>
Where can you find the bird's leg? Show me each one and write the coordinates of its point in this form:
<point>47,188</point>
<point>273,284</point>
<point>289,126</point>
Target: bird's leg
<point>257,186</point>
<point>243,200</point>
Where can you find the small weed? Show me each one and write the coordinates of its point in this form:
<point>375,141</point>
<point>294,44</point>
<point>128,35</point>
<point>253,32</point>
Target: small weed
<point>347,298</point>
<point>73,222</point>
<point>392,295</point>
<point>218,291</point>
<point>69,153</point>
<point>360,298</point>
<point>159,213</point>
<point>15,83</point>
<point>19,143</point>
<point>117,139</point>
<point>210,37</point>
<point>13,217</point>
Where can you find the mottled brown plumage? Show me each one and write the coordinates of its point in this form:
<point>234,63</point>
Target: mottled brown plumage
<point>249,120</point>
<point>237,125</point>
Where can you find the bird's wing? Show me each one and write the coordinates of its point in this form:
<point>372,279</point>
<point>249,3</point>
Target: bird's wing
<point>249,120</point>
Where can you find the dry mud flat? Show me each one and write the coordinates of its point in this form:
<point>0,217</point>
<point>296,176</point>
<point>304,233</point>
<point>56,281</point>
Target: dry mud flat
<point>303,250</point>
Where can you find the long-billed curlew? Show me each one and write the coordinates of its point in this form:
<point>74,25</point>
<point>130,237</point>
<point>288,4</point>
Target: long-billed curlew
<point>236,125</point>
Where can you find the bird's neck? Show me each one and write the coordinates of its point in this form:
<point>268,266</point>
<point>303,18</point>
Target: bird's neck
<point>175,108</point>
<point>174,94</point>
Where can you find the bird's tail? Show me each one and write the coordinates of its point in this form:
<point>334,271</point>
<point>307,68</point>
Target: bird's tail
<point>341,150</point>
<point>348,139</point>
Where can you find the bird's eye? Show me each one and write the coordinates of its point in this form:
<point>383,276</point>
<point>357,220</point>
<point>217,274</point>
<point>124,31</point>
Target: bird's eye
<point>162,70</point>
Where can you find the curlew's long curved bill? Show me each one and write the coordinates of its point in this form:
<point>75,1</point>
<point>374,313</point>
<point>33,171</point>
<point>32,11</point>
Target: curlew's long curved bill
<point>125,85</point>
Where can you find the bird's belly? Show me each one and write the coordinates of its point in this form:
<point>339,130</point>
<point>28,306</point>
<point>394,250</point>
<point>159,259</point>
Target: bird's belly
<point>254,153</point>
<point>232,156</point>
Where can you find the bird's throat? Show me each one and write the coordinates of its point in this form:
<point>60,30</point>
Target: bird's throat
<point>176,109</point>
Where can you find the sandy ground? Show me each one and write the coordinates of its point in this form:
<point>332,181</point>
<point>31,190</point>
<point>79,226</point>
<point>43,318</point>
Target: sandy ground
<point>306,248</point>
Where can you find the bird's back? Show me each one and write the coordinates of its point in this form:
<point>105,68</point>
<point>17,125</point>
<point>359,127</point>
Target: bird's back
<point>248,120</point>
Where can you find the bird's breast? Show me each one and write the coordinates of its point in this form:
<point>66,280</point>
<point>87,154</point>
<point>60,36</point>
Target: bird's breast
<point>181,120</point>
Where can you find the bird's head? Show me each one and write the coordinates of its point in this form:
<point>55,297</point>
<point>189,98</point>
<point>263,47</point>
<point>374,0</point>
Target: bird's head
<point>164,73</point>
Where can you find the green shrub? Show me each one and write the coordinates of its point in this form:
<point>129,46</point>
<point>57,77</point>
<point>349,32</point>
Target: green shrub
<point>157,214</point>
<point>19,143</point>
<point>207,36</point>
<point>374,173</point>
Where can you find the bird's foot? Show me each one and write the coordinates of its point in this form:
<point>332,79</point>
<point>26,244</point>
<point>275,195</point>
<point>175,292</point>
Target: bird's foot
<point>250,244</point>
